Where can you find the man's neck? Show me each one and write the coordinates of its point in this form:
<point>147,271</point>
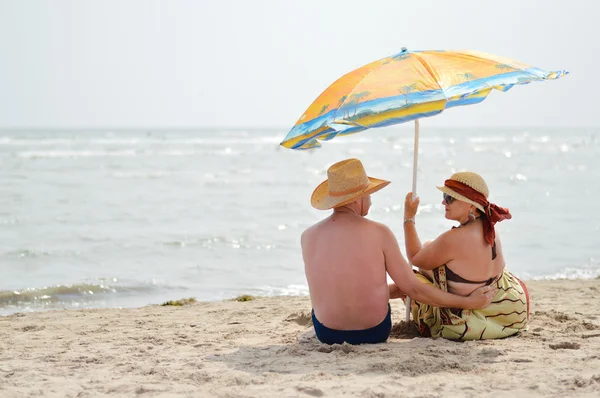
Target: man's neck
<point>345,210</point>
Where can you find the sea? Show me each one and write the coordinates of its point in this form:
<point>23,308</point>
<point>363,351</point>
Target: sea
<point>96,219</point>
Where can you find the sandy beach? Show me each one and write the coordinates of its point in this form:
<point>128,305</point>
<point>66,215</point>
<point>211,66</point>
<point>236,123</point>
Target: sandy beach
<point>266,347</point>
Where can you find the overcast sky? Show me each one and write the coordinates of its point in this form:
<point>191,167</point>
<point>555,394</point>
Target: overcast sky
<point>225,63</point>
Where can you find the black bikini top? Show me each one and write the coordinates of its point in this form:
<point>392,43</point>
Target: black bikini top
<point>451,276</point>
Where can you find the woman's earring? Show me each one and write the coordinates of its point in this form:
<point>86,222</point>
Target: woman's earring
<point>472,216</point>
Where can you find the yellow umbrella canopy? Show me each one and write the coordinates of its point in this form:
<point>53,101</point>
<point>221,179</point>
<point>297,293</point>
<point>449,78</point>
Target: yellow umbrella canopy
<point>404,87</point>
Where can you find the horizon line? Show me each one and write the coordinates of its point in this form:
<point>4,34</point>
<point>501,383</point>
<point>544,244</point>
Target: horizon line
<point>192,128</point>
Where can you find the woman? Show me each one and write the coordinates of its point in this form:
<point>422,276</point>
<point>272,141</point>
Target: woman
<point>461,260</point>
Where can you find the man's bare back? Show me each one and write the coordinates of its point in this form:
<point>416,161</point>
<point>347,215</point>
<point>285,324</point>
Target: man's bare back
<point>345,270</point>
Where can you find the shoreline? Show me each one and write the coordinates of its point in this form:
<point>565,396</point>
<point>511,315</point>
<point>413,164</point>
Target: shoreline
<point>88,305</point>
<point>266,347</point>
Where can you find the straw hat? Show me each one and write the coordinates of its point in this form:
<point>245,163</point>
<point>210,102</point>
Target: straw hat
<point>473,180</point>
<point>346,182</point>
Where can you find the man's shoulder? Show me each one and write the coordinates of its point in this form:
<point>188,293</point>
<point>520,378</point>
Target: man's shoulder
<point>308,231</point>
<point>316,225</point>
<point>377,225</point>
<point>374,227</point>
<point>311,230</point>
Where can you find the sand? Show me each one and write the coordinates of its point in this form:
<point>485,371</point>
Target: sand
<point>266,348</point>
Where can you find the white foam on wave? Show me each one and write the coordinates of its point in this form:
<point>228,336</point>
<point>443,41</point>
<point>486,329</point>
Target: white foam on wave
<point>142,141</point>
<point>586,272</point>
<point>140,174</point>
<point>289,290</point>
<point>73,154</point>
<point>57,154</point>
<point>43,142</point>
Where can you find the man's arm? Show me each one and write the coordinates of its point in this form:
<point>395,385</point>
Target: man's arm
<point>408,283</point>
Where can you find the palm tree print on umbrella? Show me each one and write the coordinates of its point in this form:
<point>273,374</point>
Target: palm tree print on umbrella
<point>349,104</point>
<point>323,109</point>
<point>341,102</point>
<point>503,66</point>
<point>465,77</point>
<point>407,90</point>
<point>356,99</point>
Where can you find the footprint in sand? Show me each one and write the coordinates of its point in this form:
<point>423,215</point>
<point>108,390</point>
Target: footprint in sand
<point>301,318</point>
<point>562,317</point>
<point>568,345</point>
<point>522,360</point>
<point>490,352</point>
<point>589,326</point>
<point>32,328</point>
<point>309,336</point>
<point>344,348</point>
<point>315,392</point>
<point>581,382</point>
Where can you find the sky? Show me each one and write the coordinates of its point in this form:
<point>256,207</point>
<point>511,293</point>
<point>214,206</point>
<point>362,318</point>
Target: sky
<point>258,64</point>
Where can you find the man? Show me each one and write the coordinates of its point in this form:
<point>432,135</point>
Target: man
<point>346,257</point>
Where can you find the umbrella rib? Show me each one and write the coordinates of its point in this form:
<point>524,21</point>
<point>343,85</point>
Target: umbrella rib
<point>352,92</point>
<point>430,70</point>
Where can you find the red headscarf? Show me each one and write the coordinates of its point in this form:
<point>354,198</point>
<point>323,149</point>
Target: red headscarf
<point>493,213</point>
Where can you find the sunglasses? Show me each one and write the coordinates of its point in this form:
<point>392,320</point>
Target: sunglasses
<point>449,199</point>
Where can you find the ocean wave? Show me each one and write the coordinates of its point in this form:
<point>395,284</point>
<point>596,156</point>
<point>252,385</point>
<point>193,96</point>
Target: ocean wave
<point>59,154</point>
<point>218,242</point>
<point>8,141</point>
<point>74,154</point>
<point>141,174</point>
<point>590,269</point>
<point>289,290</point>
<point>13,220</point>
<point>570,273</point>
<point>66,293</point>
<point>28,253</point>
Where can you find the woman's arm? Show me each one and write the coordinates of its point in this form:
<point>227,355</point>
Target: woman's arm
<point>411,237</point>
<point>408,283</point>
<point>430,256</point>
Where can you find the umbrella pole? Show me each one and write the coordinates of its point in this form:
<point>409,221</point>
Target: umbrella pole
<point>415,160</point>
<point>414,193</point>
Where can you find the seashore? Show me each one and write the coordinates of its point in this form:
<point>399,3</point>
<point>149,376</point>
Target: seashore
<point>267,347</point>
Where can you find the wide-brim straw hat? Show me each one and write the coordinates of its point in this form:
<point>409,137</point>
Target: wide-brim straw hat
<point>346,182</point>
<point>473,180</point>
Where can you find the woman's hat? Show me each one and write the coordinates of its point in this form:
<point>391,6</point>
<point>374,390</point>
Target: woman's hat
<point>346,182</point>
<point>474,181</point>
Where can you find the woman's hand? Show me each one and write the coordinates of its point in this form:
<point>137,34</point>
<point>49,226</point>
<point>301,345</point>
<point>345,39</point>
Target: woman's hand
<point>410,207</point>
<point>482,297</point>
<point>395,292</point>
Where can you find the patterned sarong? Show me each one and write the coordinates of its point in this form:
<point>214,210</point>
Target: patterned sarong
<point>507,314</point>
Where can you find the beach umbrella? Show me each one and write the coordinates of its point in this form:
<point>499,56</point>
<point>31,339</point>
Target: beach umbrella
<point>406,87</point>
